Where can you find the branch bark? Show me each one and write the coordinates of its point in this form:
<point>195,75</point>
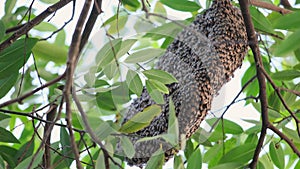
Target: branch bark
<point>269,6</point>
<point>260,76</point>
<point>73,54</point>
<point>51,113</point>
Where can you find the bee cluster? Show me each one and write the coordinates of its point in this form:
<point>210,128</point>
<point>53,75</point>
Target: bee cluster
<point>203,57</point>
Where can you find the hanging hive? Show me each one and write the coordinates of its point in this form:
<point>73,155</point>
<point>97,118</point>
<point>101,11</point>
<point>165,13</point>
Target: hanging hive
<point>203,57</point>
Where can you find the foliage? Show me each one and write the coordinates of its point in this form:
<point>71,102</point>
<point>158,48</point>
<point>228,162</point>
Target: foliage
<point>118,68</point>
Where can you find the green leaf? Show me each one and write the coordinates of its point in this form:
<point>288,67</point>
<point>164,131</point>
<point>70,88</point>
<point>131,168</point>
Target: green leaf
<point>232,165</point>
<point>212,152</point>
<point>2,30</point>
<point>45,51</point>
<point>25,151</point>
<point>166,30</point>
<point>25,163</point>
<point>45,27</point>
<point>144,55</point>
<point>7,136</point>
<point>157,160</point>
<point>125,47</point>
<point>105,100</point>
<point>7,83</point>
<point>230,127</point>
<point>152,138</point>
<point>291,134</point>
<point>15,56</point>
<point>159,9</point>
<point>134,82</point>
<point>298,164</point>
<point>8,154</point>
<point>108,52</point>
<point>134,4</point>
<point>160,75</point>
<point>66,146</point>
<point>173,126</point>
<point>254,129</point>
<point>289,44</point>
<point>260,21</point>
<point>158,85</point>
<point>100,161</point>
<point>181,5</point>
<point>60,38</point>
<point>277,155</point>
<point>178,163</point>
<point>117,24</point>
<point>286,75</point>
<point>49,1</point>
<point>141,119</point>
<point>4,116</point>
<point>127,147</point>
<point>110,70</point>
<point>266,161</point>
<point>101,128</point>
<point>155,94</point>
<point>252,138</point>
<point>120,94</point>
<point>288,21</point>
<point>195,161</point>
<point>240,154</point>
<point>2,165</point>
<point>9,6</point>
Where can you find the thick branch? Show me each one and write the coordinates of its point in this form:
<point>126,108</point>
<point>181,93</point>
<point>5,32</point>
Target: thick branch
<point>91,22</point>
<point>71,64</point>
<point>260,76</point>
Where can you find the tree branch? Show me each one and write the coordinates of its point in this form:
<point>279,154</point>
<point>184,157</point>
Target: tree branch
<point>21,98</point>
<point>284,103</point>
<point>286,4</point>
<point>285,138</point>
<point>51,113</point>
<point>73,54</point>
<point>29,25</point>
<point>96,11</point>
<point>269,6</point>
<point>244,4</point>
<point>91,133</point>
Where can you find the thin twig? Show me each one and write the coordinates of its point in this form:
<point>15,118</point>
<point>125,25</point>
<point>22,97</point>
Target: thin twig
<point>285,138</point>
<point>284,103</point>
<point>233,101</point>
<point>64,25</point>
<point>38,118</point>
<point>21,98</point>
<point>92,134</point>
<point>295,92</point>
<point>269,6</point>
